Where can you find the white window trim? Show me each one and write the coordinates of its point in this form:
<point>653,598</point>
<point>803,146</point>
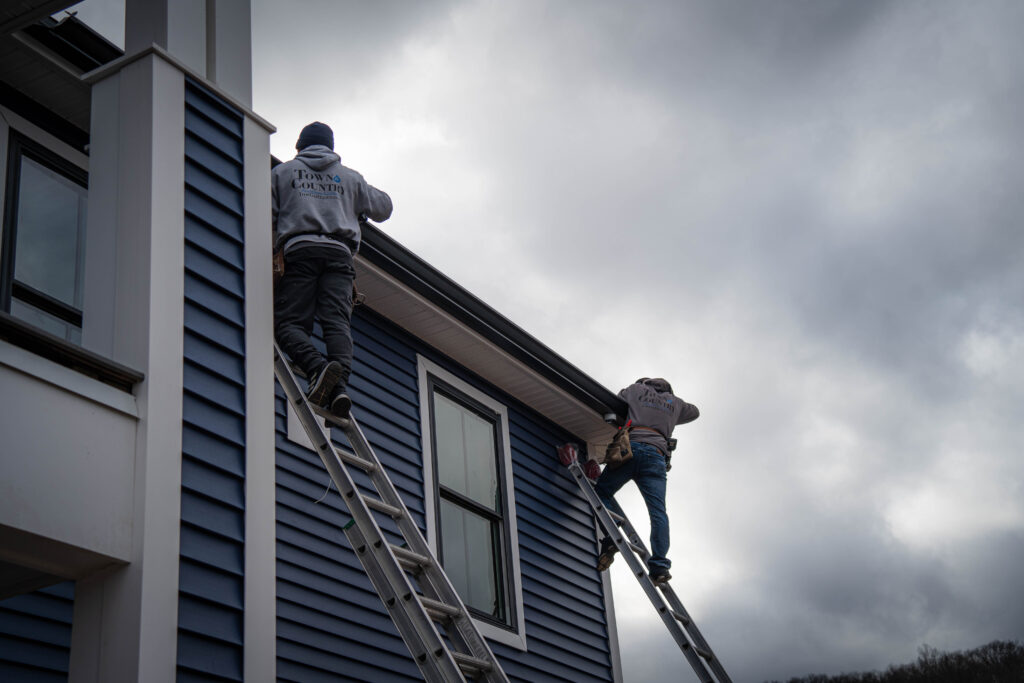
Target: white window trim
<point>426,369</point>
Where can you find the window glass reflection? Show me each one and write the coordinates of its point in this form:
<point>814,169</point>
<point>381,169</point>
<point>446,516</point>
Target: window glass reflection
<point>50,229</point>
<point>466,454</point>
<point>469,556</point>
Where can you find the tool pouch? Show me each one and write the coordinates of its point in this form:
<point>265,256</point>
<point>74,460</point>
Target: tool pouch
<point>619,451</point>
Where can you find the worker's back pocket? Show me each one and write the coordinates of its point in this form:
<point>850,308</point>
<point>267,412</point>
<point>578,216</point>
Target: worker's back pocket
<point>649,461</point>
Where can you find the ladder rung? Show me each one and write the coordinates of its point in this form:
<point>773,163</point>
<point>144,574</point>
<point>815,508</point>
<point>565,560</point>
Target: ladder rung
<point>356,461</point>
<point>680,618</point>
<point>410,561</point>
<point>703,653</point>
<point>616,517</point>
<point>431,648</point>
<point>438,610</point>
<point>638,549</point>
<point>381,506</point>
<point>471,665</point>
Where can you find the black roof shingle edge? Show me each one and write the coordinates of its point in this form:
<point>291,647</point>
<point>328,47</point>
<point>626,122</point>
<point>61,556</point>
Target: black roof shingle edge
<point>412,271</point>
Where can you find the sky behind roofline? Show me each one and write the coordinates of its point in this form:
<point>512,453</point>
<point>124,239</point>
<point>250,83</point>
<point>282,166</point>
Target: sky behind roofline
<point>806,216</point>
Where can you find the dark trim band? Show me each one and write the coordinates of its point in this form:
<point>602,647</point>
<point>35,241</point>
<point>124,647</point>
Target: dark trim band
<point>30,338</point>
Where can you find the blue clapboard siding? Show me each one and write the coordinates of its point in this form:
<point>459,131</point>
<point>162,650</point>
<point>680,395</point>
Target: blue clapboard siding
<point>211,581</point>
<point>332,625</point>
<point>35,635</point>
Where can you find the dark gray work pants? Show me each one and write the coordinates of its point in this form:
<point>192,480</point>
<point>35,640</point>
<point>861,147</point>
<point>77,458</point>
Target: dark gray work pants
<point>317,283</point>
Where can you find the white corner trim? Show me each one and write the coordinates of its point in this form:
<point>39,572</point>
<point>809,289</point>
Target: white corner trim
<point>27,363</point>
<point>613,626</point>
<point>426,368</point>
<point>260,617</point>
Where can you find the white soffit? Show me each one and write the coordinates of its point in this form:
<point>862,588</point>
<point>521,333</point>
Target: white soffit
<point>421,318</point>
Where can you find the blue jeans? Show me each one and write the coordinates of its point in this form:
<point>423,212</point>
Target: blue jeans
<point>647,469</point>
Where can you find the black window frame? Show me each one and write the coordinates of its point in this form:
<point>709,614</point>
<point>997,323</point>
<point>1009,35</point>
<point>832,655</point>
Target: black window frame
<point>502,516</point>
<point>18,147</point>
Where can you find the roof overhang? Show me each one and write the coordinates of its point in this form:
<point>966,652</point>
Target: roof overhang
<point>41,64</point>
<point>415,296</point>
<point>15,14</point>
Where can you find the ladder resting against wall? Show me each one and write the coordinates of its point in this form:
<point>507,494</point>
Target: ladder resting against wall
<point>416,592</point>
<point>684,631</point>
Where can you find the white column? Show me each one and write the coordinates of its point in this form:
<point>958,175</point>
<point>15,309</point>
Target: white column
<point>260,512</point>
<point>213,38</point>
<point>125,623</point>
<point>229,47</point>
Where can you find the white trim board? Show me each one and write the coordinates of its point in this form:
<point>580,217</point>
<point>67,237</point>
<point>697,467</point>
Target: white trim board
<point>427,368</point>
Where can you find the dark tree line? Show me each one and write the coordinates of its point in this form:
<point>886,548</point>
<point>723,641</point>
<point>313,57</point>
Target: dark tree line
<point>997,662</point>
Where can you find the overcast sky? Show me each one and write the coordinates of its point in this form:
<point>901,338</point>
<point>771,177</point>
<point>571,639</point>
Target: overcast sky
<point>806,215</point>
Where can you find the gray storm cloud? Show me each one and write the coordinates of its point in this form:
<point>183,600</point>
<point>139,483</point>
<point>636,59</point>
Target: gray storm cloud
<point>806,214</point>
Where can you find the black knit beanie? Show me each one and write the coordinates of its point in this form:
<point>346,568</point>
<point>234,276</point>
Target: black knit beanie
<point>658,384</point>
<point>315,133</point>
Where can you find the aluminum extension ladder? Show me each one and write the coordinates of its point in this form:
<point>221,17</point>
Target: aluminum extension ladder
<point>459,654</point>
<point>685,632</point>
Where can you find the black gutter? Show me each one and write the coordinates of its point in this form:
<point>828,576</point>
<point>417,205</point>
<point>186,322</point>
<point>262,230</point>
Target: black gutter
<point>412,271</point>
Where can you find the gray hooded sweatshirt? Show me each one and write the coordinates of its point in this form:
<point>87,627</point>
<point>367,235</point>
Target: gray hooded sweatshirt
<point>655,414</point>
<point>316,200</point>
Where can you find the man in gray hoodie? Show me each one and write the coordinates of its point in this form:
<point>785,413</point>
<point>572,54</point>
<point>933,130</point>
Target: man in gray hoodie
<point>317,205</point>
<point>654,412</point>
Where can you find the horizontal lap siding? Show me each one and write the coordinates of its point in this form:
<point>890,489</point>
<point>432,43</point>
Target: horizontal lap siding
<point>332,626</point>
<point>211,579</point>
<point>35,635</point>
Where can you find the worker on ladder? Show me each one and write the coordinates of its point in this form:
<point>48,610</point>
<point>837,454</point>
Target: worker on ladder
<point>317,204</point>
<point>653,413</point>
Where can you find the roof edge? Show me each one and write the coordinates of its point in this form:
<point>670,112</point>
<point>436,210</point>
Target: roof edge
<point>390,256</point>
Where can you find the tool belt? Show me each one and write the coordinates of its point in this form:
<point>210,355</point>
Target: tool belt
<point>619,451</point>
<point>357,296</point>
<point>667,453</point>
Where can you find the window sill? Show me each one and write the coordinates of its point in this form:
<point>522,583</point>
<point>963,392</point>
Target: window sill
<point>501,635</point>
<point>23,335</point>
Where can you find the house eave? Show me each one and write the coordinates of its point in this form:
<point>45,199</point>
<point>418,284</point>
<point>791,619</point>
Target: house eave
<point>416,296</point>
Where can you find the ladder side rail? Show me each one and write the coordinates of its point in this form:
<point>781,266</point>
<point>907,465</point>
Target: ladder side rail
<point>640,572</point>
<point>436,581</point>
<point>379,549</point>
<point>677,606</point>
<point>695,635</point>
<point>432,661</point>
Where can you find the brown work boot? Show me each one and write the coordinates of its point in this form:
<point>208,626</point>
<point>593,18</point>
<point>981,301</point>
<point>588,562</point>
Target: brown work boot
<point>607,556</point>
<point>660,577</point>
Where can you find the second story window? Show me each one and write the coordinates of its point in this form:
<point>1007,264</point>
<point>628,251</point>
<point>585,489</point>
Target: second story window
<point>43,247</point>
<point>470,500</point>
<point>471,507</point>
